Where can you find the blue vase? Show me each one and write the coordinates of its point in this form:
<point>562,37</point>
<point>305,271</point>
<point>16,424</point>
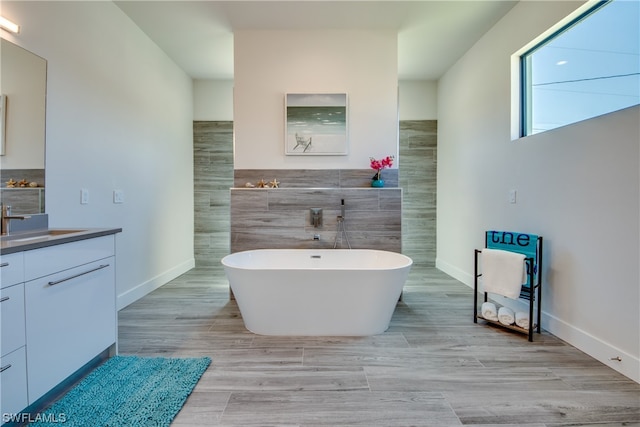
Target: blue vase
<point>377,183</point>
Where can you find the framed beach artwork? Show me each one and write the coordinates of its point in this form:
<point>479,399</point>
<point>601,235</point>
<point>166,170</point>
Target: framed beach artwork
<point>316,124</point>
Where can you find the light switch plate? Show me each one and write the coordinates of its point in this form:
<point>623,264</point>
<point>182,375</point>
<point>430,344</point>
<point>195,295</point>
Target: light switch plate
<point>118,196</point>
<point>84,196</point>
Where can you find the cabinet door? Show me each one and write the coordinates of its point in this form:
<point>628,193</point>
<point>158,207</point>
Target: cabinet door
<point>13,383</point>
<point>70,319</point>
<point>11,269</point>
<point>12,315</point>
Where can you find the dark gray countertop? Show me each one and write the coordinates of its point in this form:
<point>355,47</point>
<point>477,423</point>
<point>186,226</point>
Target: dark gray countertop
<point>27,241</point>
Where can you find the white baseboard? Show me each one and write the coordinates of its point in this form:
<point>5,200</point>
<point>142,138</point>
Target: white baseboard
<point>629,365</point>
<point>455,272</point>
<point>144,288</point>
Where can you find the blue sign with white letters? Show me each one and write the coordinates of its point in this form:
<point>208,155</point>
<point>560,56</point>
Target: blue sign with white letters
<point>522,243</point>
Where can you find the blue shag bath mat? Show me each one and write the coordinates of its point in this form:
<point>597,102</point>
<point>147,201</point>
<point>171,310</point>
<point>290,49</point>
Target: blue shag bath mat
<point>129,391</point>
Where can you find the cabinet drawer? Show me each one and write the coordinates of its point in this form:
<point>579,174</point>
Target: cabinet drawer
<point>11,269</point>
<point>13,383</point>
<point>12,318</point>
<point>52,259</point>
<point>70,318</point>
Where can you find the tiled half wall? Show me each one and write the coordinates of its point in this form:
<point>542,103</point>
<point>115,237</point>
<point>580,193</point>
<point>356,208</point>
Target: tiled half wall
<point>281,217</point>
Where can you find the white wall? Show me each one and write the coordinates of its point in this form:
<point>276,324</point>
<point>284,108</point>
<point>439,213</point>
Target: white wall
<point>577,186</point>
<point>418,99</point>
<point>213,100</point>
<point>269,64</point>
<point>119,116</point>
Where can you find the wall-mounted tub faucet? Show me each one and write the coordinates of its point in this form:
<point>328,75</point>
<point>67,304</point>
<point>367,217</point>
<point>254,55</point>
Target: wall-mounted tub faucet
<point>341,231</point>
<point>316,217</point>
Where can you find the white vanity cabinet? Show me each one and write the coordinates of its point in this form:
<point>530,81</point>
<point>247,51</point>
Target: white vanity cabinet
<point>70,309</point>
<point>58,311</point>
<point>12,312</point>
<point>13,369</point>
<point>11,269</point>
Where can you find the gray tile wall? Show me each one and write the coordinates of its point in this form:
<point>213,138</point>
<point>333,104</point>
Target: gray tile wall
<point>418,167</point>
<point>281,218</point>
<point>214,176</point>
<point>23,200</point>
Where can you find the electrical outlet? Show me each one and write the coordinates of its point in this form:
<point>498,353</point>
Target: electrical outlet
<point>84,196</point>
<point>512,196</point>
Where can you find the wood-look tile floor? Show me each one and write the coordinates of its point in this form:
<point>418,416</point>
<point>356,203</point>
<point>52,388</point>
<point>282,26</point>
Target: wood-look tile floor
<point>433,367</point>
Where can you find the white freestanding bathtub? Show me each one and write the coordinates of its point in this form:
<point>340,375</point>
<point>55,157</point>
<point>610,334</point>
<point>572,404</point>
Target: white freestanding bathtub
<point>317,292</point>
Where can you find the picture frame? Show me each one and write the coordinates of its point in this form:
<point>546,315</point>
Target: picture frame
<point>316,124</point>
<point>3,123</point>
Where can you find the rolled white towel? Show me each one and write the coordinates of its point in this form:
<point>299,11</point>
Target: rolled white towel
<point>506,316</point>
<point>489,311</point>
<point>522,319</point>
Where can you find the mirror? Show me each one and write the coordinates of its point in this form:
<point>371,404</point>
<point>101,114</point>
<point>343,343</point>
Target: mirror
<point>23,91</point>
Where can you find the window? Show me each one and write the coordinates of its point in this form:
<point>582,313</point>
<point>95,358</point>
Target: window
<point>590,67</point>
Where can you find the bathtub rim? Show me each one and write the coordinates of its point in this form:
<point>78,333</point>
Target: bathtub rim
<point>408,261</point>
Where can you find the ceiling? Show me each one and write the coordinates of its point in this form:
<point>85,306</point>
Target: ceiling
<point>432,35</point>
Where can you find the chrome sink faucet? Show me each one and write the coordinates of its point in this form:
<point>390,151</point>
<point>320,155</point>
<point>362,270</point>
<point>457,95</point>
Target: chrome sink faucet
<point>7,217</point>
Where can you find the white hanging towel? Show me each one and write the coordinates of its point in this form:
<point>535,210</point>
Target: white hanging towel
<point>503,272</point>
